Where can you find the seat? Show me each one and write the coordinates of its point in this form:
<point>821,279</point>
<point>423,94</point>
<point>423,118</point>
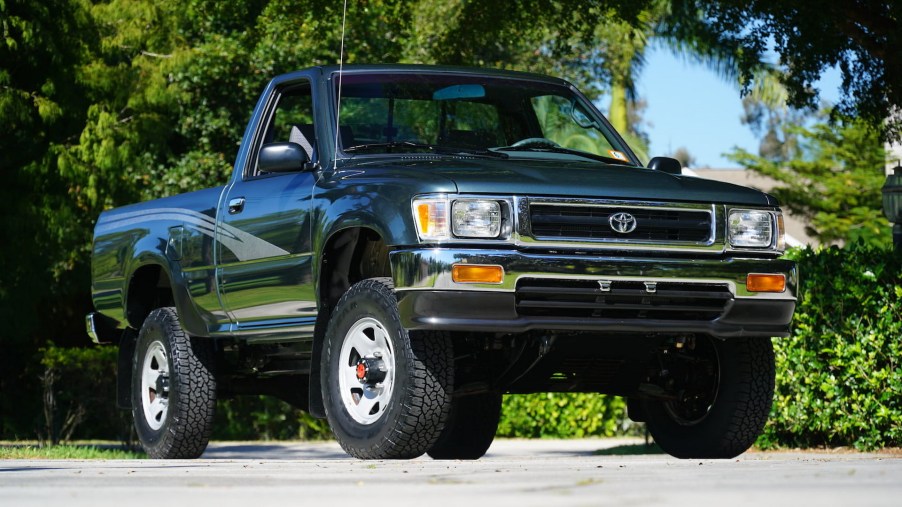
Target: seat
<point>304,136</point>
<point>347,136</point>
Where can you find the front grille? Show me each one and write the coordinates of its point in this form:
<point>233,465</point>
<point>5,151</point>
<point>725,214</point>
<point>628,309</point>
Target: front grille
<point>593,222</point>
<point>623,300</point>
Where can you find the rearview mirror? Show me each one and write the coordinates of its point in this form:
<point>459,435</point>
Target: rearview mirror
<point>458,92</point>
<point>666,165</point>
<point>579,116</point>
<point>282,158</point>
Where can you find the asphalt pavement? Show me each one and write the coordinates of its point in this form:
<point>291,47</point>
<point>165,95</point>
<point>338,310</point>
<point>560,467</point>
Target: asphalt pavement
<point>516,473</point>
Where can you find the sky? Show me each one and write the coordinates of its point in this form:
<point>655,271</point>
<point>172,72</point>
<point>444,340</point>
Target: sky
<point>690,106</point>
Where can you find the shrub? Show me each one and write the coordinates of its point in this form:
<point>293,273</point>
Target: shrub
<point>79,395</point>
<point>563,415</point>
<point>265,418</point>
<point>839,376</point>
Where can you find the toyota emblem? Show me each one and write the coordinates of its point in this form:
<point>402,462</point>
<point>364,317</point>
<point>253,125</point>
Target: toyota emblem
<point>624,223</point>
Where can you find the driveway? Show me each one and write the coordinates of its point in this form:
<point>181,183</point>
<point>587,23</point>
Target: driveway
<point>516,473</point>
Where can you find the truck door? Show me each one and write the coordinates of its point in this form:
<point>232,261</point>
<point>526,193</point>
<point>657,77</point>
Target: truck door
<point>264,230</point>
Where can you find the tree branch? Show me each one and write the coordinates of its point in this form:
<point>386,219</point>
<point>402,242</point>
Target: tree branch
<point>155,55</point>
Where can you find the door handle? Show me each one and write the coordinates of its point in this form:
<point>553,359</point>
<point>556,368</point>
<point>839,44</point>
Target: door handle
<point>236,205</point>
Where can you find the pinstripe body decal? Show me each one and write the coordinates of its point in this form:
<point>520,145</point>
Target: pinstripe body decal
<point>245,246</point>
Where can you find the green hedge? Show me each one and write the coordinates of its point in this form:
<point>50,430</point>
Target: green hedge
<point>265,418</point>
<point>839,376</point>
<point>563,415</point>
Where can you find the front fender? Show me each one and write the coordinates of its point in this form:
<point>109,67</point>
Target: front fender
<point>374,197</point>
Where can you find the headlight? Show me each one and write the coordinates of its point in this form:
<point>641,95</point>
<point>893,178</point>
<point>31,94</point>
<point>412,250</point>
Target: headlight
<point>751,229</point>
<point>440,218</point>
<point>474,218</point>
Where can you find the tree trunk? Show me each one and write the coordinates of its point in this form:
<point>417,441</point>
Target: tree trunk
<point>618,112</point>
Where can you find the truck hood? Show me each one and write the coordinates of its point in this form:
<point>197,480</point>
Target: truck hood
<point>570,179</point>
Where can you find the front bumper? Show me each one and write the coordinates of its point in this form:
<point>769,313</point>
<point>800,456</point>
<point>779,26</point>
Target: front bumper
<point>430,299</point>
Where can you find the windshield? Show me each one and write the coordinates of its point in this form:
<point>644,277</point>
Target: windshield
<point>448,113</point>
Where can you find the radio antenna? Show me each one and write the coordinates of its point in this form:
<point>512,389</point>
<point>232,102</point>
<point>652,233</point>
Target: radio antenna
<point>341,58</point>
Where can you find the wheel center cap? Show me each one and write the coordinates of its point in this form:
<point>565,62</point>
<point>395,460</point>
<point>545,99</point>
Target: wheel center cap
<point>371,370</point>
<point>162,384</point>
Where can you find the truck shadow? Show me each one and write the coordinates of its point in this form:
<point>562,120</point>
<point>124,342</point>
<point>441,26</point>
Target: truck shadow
<point>630,450</point>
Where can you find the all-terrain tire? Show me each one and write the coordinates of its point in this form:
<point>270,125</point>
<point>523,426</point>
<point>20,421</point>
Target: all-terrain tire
<point>470,429</point>
<point>739,410</point>
<point>173,388</point>
<point>402,415</point>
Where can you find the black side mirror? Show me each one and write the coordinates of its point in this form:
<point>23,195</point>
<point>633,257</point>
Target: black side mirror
<point>282,158</point>
<point>666,165</point>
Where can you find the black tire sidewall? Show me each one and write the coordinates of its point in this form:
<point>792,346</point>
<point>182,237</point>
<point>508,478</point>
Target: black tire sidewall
<point>153,330</point>
<point>362,304</point>
<point>726,431</point>
<point>471,427</point>
<point>185,432</point>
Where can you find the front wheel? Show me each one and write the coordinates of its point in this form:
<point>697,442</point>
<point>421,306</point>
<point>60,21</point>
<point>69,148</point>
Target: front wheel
<point>386,391</point>
<point>173,388</point>
<point>725,392</point>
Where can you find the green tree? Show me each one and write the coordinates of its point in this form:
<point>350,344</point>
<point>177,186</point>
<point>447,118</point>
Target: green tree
<point>42,105</point>
<point>831,175</point>
<point>861,39</point>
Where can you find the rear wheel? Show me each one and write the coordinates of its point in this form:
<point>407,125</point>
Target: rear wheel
<point>386,392</point>
<point>724,395</point>
<point>470,429</point>
<point>173,388</point>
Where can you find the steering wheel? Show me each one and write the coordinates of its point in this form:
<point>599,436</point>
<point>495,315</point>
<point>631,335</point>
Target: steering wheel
<point>536,142</point>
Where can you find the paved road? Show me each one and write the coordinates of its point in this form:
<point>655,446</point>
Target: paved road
<point>514,473</point>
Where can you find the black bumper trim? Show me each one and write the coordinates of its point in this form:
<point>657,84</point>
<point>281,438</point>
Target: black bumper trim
<point>496,312</point>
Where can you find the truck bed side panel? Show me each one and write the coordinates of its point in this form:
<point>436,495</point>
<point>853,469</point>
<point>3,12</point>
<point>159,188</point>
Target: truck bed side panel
<point>174,233</point>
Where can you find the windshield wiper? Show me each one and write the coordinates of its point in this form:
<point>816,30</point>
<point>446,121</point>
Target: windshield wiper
<point>442,150</point>
<point>389,146</point>
<point>560,149</point>
<point>454,150</point>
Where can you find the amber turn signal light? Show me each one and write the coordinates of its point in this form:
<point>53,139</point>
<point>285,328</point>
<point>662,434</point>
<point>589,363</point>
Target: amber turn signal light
<point>477,273</point>
<point>758,282</point>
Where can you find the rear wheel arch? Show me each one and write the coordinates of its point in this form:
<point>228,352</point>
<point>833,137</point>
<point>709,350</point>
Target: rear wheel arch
<point>150,287</point>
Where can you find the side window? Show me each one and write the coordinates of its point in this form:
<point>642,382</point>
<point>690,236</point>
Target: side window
<point>292,121</point>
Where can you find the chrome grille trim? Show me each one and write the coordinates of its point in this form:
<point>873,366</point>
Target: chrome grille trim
<point>713,243</point>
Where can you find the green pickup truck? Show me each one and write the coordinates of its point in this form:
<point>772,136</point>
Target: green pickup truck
<point>400,246</point>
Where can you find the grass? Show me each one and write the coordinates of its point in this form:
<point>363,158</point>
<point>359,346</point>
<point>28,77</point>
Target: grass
<point>27,451</point>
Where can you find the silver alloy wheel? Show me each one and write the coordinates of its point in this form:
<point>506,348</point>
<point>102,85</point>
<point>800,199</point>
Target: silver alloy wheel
<point>366,343</point>
<point>155,385</point>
